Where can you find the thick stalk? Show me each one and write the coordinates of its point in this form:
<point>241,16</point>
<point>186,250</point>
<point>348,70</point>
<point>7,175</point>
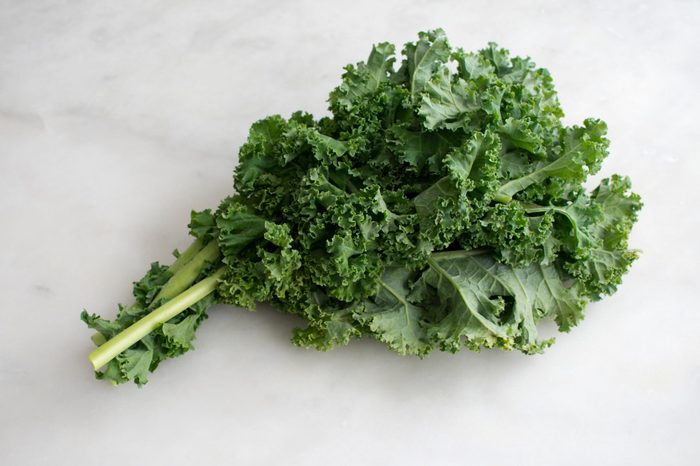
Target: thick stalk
<point>448,255</point>
<point>122,341</point>
<point>502,198</point>
<point>186,256</point>
<point>188,273</point>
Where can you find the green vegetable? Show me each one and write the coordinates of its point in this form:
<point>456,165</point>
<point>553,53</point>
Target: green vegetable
<point>440,206</point>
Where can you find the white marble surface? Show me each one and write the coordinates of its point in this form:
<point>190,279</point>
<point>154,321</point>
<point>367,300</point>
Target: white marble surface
<point>117,118</point>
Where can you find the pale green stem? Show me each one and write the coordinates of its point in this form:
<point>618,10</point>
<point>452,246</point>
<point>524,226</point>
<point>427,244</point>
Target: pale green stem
<point>188,273</point>
<point>535,208</point>
<point>122,341</point>
<point>503,199</point>
<point>448,255</point>
<point>186,256</point>
<point>182,260</point>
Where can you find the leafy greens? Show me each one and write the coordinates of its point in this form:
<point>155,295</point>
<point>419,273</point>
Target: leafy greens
<point>440,206</point>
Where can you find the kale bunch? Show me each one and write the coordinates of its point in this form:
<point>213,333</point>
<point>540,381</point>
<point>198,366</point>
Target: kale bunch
<point>440,206</point>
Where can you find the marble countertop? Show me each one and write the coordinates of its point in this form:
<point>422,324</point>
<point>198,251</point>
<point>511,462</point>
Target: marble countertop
<point>117,119</point>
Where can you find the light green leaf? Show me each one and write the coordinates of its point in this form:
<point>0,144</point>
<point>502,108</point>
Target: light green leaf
<point>365,78</point>
<point>182,333</point>
<point>424,57</point>
<point>447,103</point>
<point>601,269</point>
<point>485,303</point>
<point>582,151</point>
<point>392,318</point>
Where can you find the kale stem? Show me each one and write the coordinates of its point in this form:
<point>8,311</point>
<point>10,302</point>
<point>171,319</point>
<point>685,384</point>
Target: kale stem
<point>186,256</point>
<point>188,273</point>
<point>122,341</point>
<point>537,210</point>
<point>186,268</point>
<point>447,255</point>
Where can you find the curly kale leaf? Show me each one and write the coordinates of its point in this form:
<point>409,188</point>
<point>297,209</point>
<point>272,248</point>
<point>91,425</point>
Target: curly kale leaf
<point>392,318</point>
<point>455,201</point>
<point>423,58</point>
<point>483,303</point>
<point>579,153</point>
<point>365,78</point>
<point>600,267</point>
